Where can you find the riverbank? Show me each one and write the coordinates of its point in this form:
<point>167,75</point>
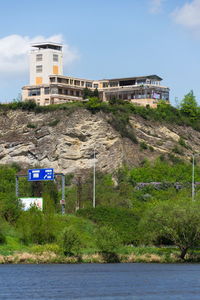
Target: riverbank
<point>138,255</point>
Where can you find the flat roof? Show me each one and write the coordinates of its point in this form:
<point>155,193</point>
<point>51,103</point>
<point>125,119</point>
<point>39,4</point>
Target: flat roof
<point>47,45</point>
<point>137,77</point>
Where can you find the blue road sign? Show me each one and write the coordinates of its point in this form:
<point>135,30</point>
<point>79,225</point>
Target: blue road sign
<point>40,174</point>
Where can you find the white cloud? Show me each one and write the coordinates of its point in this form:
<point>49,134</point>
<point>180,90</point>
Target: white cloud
<point>188,15</point>
<point>14,53</point>
<point>156,6</point>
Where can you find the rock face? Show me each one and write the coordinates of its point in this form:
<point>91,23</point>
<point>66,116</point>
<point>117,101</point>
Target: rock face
<point>66,141</point>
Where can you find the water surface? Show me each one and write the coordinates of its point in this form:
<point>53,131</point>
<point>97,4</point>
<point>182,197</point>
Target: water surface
<point>100,281</point>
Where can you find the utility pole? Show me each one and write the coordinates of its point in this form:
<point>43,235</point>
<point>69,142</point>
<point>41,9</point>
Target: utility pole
<point>94,181</point>
<point>193,175</point>
<point>193,185</point>
<point>79,192</point>
<point>63,194</point>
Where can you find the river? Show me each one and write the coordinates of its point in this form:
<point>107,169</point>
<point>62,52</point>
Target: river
<point>100,281</point>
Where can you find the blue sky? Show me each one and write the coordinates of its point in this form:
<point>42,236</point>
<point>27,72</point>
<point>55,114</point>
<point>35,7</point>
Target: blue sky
<point>105,39</point>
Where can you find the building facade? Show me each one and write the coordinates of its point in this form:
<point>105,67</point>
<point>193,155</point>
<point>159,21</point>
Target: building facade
<point>48,85</point>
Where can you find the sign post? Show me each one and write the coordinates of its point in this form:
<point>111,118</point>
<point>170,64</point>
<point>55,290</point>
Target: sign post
<point>40,174</point>
<point>43,175</point>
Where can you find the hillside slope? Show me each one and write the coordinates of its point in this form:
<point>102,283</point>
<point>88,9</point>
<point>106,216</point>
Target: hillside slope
<point>65,141</point>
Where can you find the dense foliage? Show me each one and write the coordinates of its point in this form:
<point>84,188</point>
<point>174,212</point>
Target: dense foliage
<point>127,213</point>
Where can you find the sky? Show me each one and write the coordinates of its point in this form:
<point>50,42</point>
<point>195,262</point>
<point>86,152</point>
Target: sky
<point>104,39</point>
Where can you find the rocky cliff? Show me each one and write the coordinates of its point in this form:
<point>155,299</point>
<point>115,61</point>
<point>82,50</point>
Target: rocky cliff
<point>66,141</point>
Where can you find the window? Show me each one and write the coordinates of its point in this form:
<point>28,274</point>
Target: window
<point>105,84</point>
<point>88,84</point>
<point>113,83</point>
<point>66,81</point>
<point>46,90</point>
<point>96,86</point>
<point>76,82</point>
<point>127,82</point>
<point>165,96</point>
<point>39,69</point>
<point>71,81</point>
<point>82,83</point>
<point>155,82</point>
<point>34,92</point>
<point>52,79</point>
<point>39,57</point>
<point>77,93</point>
<point>141,81</point>
<point>55,57</point>
<point>54,90</point>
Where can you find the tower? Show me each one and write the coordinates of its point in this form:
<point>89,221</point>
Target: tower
<point>45,59</point>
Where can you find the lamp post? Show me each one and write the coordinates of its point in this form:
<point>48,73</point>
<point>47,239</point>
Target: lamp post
<point>94,181</point>
<point>193,176</point>
<point>193,187</point>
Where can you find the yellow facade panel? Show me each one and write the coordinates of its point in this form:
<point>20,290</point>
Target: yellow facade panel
<point>55,70</point>
<point>38,80</point>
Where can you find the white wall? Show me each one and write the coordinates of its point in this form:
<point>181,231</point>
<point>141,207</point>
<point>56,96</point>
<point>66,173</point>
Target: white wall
<point>47,64</point>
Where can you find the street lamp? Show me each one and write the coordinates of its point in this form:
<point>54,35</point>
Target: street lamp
<point>94,180</point>
<point>193,176</point>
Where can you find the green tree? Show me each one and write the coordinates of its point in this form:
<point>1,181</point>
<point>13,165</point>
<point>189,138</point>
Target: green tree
<point>177,221</point>
<point>87,93</point>
<point>189,105</point>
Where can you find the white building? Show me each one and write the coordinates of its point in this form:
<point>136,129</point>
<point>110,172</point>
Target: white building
<point>45,59</point>
<point>48,85</point>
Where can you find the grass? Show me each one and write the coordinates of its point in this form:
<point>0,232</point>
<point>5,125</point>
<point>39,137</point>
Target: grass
<point>12,245</point>
<point>15,252</point>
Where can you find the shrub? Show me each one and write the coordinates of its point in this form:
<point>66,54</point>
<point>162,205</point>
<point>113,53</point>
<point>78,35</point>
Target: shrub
<point>120,122</point>
<point>39,249</point>
<point>94,104</point>
<point>182,143</point>
<point>31,125</point>
<point>70,241</point>
<point>54,122</point>
<point>108,243</point>
<point>2,237</point>
<point>122,220</point>
<point>151,148</point>
<point>177,150</point>
<point>143,146</point>
<point>107,240</point>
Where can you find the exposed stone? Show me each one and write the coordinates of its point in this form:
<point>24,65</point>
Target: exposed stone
<point>68,145</point>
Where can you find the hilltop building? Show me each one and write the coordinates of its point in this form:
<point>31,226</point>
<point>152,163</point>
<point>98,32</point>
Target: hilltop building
<point>48,85</point>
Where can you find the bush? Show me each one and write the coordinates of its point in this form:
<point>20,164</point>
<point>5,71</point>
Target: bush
<point>177,150</point>
<point>39,249</point>
<point>108,242</point>
<point>182,143</point>
<point>36,227</point>
<point>122,220</point>
<point>143,146</point>
<point>120,122</point>
<point>31,125</point>
<point>94,104</point>
<point>70,241</point>
<point>151,148</point>
<point>2,238</point>
<point>54,122</point>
